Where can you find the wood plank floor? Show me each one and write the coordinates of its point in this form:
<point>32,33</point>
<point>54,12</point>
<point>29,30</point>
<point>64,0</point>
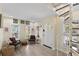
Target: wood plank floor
<point>36,50</point>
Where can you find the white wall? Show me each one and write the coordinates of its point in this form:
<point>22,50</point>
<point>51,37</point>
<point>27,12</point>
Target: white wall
<point>33,25</point>
<point>7,23</point>
<point>48,37</point>
<point>54,33</point>
<point>59,30</point>
<point>1,37</point>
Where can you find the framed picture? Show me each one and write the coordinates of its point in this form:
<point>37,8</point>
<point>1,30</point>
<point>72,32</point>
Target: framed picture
<point>22,22</point>
<point>27,22</point>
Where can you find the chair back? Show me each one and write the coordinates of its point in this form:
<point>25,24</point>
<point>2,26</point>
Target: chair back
<point>13,40</point>
<point>32,37</point>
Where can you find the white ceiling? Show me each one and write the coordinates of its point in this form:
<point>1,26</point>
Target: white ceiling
<point>32,11</point>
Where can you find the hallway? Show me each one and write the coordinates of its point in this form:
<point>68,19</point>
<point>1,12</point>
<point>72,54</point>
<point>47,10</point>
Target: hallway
<point>36,50</point>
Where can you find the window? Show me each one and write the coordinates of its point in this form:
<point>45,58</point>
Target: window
<point>22,21</point>
<point>27,22</point>
<point>15,20</point>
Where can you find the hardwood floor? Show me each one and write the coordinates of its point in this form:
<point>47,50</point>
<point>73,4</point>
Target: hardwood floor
<point>36,50</point>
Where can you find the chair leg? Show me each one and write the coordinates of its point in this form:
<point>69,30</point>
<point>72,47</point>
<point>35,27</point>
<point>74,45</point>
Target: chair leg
<point>15,47</point>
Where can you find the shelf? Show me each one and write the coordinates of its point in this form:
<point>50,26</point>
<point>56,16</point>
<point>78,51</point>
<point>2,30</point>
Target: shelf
<point>75,49</point>
<point>75,28</point>
<point>62,7</point>
<point>67,18</point>
<point>64,13</point>
<point>75,4</point>
<point>76,35</point>
<point>77,42</point>
<point>75,22</point>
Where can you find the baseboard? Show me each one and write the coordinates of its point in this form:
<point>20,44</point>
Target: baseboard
<point>47,46</point>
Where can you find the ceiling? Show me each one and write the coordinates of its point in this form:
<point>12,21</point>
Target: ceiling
<point>32,11</point>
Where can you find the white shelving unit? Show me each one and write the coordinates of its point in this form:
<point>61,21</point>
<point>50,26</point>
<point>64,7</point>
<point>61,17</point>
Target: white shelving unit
<point>75,33</point>
<point>75,36</point>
